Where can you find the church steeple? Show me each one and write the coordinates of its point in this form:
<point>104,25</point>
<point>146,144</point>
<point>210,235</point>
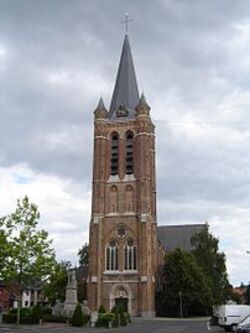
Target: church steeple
<point>125,95</point>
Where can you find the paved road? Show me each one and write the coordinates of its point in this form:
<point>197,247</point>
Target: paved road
<point>138,326</point>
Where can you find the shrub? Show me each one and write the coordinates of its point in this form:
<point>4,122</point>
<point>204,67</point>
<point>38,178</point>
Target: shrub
<point>46,311</point>
<point>104,319</point>
<point>54,319</point>
<point>123,319</point>
<point>116,321</point>
<point>28,320</point>
<point>101,309</point>
<point>26,312</point>
<point>37,312</point>
<point>77,319</point>
<point>9,318</point>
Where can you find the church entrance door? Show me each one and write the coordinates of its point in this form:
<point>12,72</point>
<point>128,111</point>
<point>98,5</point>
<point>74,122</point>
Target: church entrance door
<point>122,302</point>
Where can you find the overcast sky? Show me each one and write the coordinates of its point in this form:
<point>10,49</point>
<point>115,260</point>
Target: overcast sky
<point>192,61</point>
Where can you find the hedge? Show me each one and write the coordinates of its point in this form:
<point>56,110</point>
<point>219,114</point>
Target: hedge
<point>11,318</point>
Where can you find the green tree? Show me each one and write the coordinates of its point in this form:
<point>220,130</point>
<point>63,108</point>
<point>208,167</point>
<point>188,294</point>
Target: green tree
<point>247,295</point>
<point>83,254</point>
<point>57,282</point>
<point>185,288</point>
<point>29,253</point>
<point>4,248</point>
<point>213,264</point>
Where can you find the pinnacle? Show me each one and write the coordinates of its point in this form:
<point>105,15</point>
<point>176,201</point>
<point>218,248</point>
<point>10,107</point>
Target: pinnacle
<point>101,105</point>
<point>143,101</point>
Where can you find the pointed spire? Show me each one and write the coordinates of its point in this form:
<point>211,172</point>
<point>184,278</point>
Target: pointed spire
<point>126,89</point>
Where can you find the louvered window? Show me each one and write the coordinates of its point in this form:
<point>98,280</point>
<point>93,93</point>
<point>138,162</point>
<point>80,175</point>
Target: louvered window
<point>114,155</point>
<point>129,154</point>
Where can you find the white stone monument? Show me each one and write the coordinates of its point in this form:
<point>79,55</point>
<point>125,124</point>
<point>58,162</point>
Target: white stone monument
<point>71,301</point>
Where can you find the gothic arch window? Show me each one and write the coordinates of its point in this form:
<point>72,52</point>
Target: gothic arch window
<point>112,256</point>
<point>129,198</point>
<point>130,256</point>
<point>129,164</point>
<point>114,160</point>
<point>113,199</point>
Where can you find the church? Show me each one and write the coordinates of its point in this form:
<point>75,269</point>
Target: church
<point>125,246</point>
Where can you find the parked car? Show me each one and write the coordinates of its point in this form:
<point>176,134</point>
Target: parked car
<point>243,325</point>
<point>243,328</point>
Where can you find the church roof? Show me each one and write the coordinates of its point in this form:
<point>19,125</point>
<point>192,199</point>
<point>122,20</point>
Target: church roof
<point>126,94</point>
<point>173,236</point>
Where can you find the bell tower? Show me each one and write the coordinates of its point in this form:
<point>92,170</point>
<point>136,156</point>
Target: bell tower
<point>122,237</point>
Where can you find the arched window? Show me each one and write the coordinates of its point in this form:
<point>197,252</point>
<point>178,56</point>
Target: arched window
<point>114,154</point>
<point>129,154</point>
<point>130,256</point>
<point>112,256</point>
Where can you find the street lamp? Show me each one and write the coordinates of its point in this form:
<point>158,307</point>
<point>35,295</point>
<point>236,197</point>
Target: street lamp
<point>180,298</point>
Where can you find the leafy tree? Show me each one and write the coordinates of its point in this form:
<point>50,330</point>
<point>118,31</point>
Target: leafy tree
<point>184,282</point>
<point>247,295</point>
<point>4,248</point>
<point>83,254</point>
<point>57,282</point>
<point>29,256</point>
<point>213,264</point>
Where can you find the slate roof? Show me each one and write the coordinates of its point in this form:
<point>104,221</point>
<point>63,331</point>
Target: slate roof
<point>126,92</point>
<point>173,236</point>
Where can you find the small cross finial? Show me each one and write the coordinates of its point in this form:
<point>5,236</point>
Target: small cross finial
<point>126,22</point>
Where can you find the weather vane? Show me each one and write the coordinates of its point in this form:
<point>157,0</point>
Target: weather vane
<point>126,22</point>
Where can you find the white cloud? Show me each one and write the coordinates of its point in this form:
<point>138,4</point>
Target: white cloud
<point>64,214</point>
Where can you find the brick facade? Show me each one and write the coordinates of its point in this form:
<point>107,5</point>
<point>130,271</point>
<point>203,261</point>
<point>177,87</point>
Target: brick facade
<point>123,210</point>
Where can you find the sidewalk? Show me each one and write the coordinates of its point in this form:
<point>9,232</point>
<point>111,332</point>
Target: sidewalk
<point>33,327</point>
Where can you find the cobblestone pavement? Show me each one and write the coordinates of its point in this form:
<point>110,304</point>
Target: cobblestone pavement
<point>157,325</point>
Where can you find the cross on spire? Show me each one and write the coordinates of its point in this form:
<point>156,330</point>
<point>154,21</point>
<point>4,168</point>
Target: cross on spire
<point>126,22</point>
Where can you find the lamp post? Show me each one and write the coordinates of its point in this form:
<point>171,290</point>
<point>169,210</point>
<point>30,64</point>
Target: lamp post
<point>180,298</point>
